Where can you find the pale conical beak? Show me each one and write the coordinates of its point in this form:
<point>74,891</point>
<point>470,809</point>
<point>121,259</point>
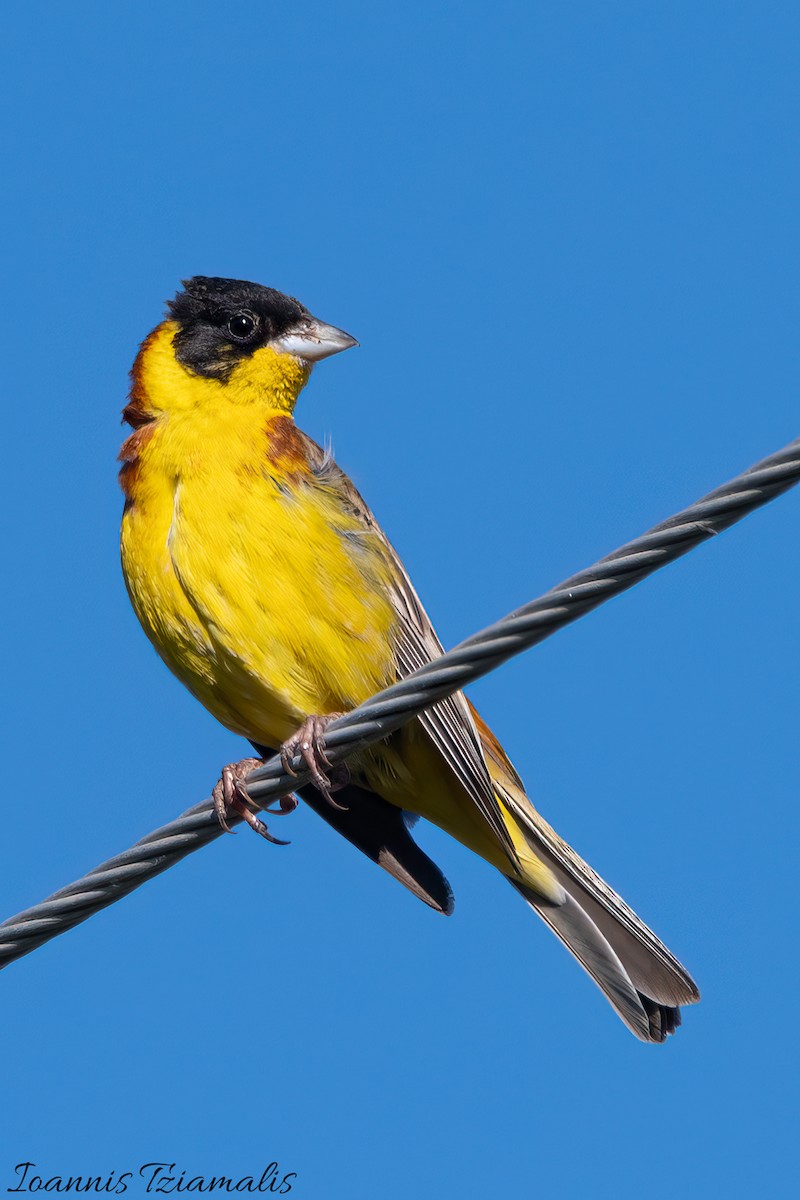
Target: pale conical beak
<point>311,340</point>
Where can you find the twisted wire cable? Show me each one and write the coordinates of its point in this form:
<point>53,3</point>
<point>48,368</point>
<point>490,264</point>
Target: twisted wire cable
<point>396,705</point>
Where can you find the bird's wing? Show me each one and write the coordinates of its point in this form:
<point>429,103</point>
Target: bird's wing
<point>449,724</point>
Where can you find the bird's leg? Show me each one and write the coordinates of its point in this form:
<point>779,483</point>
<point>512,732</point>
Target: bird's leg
<point>309,743</point>
<point>230,795</point>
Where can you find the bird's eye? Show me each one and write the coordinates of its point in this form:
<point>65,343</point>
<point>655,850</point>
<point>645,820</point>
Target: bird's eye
<point>243,326</point>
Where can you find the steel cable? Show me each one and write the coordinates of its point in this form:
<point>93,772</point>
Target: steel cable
<point>390,709</point>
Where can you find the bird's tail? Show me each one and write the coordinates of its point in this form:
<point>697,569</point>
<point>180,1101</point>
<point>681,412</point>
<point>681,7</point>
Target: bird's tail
<point>649,1019</point>
<point>642,980</point>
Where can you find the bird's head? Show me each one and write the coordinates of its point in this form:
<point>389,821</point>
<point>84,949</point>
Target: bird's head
<point>252,341</point>
<point>223,325</point>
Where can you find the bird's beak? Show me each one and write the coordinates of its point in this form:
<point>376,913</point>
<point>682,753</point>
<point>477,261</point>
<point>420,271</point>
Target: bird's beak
<point>311,340</point>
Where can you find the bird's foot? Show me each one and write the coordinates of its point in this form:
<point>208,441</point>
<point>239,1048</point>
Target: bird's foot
<point>230,795</point>
<point>309,743</point>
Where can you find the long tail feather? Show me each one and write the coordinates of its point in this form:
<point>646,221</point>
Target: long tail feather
<point>645,1017</point>
<point>643,981</point>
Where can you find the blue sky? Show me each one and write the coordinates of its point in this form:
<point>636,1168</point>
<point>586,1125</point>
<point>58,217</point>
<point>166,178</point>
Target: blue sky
<point>566,238</point>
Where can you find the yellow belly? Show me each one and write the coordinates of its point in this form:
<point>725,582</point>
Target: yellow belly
<point>266,597</point>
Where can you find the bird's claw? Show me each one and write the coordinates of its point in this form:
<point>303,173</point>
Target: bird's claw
<point>286,805</point>
<point>230,795</point>
<point>309,744</point>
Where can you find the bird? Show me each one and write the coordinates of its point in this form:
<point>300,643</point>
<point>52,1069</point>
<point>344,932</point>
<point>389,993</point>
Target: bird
<point>268,588</point>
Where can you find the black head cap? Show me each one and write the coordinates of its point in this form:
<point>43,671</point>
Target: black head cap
<point>221,321</point>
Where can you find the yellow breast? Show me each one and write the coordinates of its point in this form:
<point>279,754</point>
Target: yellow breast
<point>249,572</point>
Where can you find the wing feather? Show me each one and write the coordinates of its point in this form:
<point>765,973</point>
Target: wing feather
<point>449,724</point>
